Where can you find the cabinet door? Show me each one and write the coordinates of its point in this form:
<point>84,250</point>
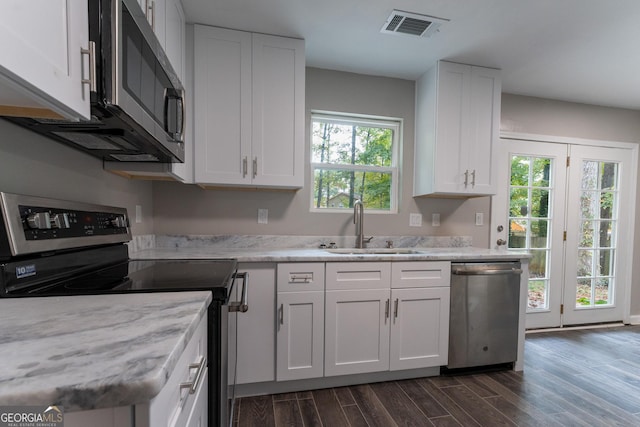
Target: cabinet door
<point>278,111</point>
<point>40,58</point>
<point>419,328</point>
<point>453,88</point>
<point>483,123</point>
<point>175,36</point>
<point>255,338</point>
<point>222,96</point>
<point>356,331</point>
<point>300,336</point>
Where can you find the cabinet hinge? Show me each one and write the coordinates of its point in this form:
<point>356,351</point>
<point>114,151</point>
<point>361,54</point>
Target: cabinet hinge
<point>561,308</point>
<point>568,161</point>
<point>564,236</point>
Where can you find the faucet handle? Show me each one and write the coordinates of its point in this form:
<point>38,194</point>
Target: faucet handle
<point>389,244</point>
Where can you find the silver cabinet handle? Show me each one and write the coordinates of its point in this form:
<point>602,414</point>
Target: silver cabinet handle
<point>305,278</point>
<point>244,167</point>
<point>395,309</point>
<point>466,177</point>
<point>193,385</point>
<point>91,81</point>
<point>152,13</point>
<point>242,305</point>
<point>386,310</point>
<point>282,314</point>
<point>473,178</point>
<point>255,167</point>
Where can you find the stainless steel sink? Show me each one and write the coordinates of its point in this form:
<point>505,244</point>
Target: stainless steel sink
<point>374,251</point>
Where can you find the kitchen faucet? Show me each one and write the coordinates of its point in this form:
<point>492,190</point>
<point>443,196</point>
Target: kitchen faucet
<point>358,220</point>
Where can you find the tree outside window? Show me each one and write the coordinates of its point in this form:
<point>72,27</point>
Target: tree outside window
<point>354,158</point>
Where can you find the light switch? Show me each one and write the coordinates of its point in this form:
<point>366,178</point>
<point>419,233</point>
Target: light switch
<point>479,218</point>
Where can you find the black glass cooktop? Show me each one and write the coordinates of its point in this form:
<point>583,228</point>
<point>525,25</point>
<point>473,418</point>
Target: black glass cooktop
<point>129,276</point>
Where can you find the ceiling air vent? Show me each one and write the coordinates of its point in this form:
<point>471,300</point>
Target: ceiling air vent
<point>411,24</point>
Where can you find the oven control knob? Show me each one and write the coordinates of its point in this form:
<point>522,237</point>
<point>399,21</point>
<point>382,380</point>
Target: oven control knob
<point>39,220</point>
<point>60,220</point>
<point>119,222</point>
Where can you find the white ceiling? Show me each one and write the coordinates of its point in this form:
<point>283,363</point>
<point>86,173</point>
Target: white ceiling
<point>584,51</point>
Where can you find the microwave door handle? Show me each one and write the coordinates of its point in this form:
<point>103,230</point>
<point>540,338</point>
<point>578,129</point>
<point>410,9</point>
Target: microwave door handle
<point>183,106</point>
<point>178,96</point>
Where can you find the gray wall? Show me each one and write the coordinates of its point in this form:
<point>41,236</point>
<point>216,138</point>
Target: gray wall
<point>35,165</point>
<point>180,209</point>
<point>548,117</point>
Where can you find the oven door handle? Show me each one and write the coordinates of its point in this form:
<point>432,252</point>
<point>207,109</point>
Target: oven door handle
<point>242,305</point>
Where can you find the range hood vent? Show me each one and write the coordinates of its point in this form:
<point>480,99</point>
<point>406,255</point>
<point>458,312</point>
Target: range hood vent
<point>411,24</point>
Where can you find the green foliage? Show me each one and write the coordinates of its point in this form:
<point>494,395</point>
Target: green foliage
<point>335,144</point>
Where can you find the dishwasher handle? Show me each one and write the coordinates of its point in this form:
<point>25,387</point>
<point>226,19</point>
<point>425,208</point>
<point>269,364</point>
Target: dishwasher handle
<point>490,270</point>
<point>486,272</point>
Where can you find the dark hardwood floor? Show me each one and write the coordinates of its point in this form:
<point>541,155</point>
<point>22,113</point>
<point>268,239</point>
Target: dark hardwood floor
<point>588,377</point>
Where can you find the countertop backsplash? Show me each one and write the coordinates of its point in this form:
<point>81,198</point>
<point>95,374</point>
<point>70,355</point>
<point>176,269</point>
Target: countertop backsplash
<point>292,242</point>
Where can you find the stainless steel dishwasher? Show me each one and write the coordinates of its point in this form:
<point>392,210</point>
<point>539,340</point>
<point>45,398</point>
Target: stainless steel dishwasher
<point>485,301</point>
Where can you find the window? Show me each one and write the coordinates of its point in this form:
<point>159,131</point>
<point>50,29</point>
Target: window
<point>354,157</point>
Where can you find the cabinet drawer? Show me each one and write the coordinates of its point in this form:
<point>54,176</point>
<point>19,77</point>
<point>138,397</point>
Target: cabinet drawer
<point>297,277</point>
<point>420,274</point>
<point>358,275</point>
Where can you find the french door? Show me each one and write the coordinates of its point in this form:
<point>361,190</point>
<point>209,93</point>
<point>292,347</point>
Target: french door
<point>569,206</point>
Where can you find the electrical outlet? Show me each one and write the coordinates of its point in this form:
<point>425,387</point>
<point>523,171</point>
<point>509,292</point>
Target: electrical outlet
<point>415,220</point>
<point>435,220</point>
<point>479,218</point>
<point>263,216</point>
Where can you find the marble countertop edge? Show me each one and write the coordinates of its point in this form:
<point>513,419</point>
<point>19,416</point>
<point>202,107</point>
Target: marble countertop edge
<point>72,373</point>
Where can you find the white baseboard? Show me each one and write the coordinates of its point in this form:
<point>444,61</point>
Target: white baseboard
<point>634,320</point>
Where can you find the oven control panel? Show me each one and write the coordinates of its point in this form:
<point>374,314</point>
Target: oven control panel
<point>31,225</point>
<point>49,223</point>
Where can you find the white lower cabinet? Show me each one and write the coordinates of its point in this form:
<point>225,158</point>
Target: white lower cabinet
<point>419,328</point>
<point>174,406</point>
<point>384,316</point>
<point>254,339</point>
<point>300,322</point>
<point>357,331</point>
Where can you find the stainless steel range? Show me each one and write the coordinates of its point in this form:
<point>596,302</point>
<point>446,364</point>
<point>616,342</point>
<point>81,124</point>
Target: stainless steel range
<point>52,247</point>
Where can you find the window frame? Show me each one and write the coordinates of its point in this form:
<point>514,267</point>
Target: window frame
<point>394,123</point>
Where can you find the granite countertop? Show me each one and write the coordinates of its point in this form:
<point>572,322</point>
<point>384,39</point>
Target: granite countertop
<point>324,255</point>
<point>87,352</point>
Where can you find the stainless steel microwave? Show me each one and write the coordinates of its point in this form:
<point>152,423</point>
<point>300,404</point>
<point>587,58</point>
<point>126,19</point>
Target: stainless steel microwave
<point>137,99</point>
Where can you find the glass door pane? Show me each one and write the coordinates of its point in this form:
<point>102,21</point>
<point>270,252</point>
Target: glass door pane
<point>530,215</point>
<point>597,211</point>
<point>529,209</point>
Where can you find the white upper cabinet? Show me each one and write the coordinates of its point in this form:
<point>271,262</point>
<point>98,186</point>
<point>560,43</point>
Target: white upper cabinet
<point>249,102</point>
<point>457,121</point>
<point>41,63</point>
<point>166,18</point>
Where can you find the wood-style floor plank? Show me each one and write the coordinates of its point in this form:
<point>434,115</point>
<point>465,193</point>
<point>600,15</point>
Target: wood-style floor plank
<point>372,409</point>
<point>423,400</point>
<point>256,412</point>
<point>571,378</point>
<point>329,408</point>
<point>287,413</point>
<point>403,411</point>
